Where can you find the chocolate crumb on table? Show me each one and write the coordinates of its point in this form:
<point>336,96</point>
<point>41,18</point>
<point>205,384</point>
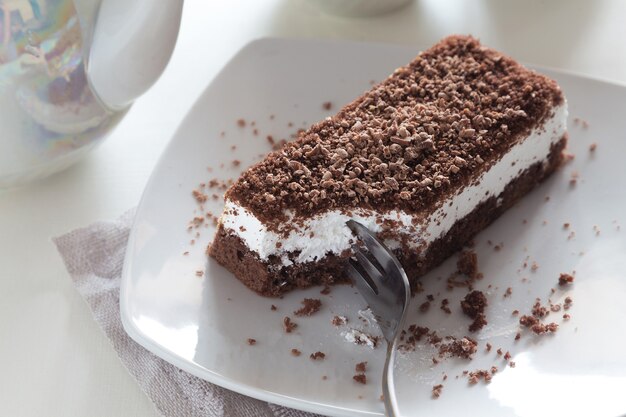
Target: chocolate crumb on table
<point>327,105</point>
<point>251,342</point>
<point>436,393</point>
<point>295,352</point>
<point>289,325</point>
<point>317,356</point>
<point>565,279</point>
<point>360,378</point>
<point>273,307</point>
<point>310,306</point>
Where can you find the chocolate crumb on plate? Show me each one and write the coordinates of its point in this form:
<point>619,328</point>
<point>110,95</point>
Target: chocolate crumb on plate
<point>360,378</point>
<point>289,325</point>
<point>310,306</point>
<point>473,305</point>
<point>436,392</point>
<point>251,342</point>
<point>567,303</point>
<point>565,279</point>
<point>241,122</point>
<point>327,105</point>
<point>461,348</point>
<point>477,375</point>
<point>273,307</point>
<point>467,264</point>
<point>444,306</point>
<point>295,352</point>
<point>317,356</point>
<point>424,306</point>
<point>360,367</point>
<point>339,320</point>
<point>593,147</point>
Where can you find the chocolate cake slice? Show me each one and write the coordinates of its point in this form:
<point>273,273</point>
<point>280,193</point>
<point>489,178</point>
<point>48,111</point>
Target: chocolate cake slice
<point>425,159</point>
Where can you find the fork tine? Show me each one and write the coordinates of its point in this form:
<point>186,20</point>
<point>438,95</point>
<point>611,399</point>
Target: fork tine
<point>361,283</point>
<point>380,253</point>
<point>374,273</point>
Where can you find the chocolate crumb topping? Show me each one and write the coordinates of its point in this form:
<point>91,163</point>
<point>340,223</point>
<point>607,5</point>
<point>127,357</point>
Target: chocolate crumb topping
<point>413,139</point>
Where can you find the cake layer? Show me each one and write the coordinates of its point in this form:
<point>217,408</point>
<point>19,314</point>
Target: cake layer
<point>271,278</point>
<point>326,233</point>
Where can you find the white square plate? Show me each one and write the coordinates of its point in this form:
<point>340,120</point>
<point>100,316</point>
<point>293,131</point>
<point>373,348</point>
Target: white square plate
<point>201,324</point>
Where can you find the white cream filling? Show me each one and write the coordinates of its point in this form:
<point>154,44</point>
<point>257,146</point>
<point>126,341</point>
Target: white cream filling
<point>327,232</point>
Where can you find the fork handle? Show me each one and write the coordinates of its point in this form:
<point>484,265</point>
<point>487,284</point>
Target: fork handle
<point>389,392</point>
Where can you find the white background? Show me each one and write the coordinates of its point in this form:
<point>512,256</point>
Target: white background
<point>54,360</point>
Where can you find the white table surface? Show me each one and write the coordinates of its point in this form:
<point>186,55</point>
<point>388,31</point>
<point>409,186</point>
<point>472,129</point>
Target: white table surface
<point>55,361</point>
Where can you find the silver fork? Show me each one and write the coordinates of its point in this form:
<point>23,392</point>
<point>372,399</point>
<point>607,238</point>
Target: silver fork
<point>381,280</point>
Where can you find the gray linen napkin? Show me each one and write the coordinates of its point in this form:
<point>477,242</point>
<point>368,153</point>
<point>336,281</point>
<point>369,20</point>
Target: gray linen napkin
<point>93,257</point>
